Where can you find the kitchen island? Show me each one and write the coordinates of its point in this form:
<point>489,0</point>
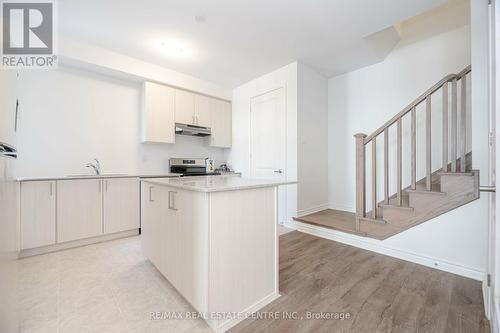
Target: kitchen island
<point>215,239</point>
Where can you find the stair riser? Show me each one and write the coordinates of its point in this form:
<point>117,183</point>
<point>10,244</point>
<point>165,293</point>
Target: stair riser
<point>394,215</point>
<point>457,184</point>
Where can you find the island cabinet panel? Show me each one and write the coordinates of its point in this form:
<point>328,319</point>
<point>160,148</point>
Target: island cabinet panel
<point>175,238</point>
<point>219,249</point>
<point>190,230</point>
<point>247,273</point>
<point>79,209</point>
<point>153,220</point>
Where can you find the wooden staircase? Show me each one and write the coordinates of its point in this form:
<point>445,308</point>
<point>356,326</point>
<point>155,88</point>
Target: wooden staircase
<point>452,185</point>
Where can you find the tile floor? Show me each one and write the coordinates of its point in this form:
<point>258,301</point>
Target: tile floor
<point>106,287</point>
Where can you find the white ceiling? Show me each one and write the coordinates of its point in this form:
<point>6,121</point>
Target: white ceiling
<point>241,40</point>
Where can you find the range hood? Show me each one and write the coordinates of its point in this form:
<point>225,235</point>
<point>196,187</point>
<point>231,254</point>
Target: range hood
<point>192,130</point>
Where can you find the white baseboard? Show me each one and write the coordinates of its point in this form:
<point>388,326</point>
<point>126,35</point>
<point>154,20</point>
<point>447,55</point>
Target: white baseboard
<point>341,206</point>
<point>312,210</point>
<point>77,243</point>
<point>486,298</point>
<point>250,310</point>
<point>373,245</point>
<point>495,317</point>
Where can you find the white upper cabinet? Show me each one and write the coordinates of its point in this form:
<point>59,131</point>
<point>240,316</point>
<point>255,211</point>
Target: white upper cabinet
<point>158,116</point>
<point>165,106</point>
<point>121,204</point>
<point>38,214</point>
<point>221,124</point>
<point>184,107</point>
<point>8,106</point>
<point>203,110</point>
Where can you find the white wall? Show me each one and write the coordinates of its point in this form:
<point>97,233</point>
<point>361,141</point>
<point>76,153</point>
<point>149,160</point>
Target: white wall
<point>87,56</point>
<point>312,136</point>
<point>239,156</point>
<point>70,116</point>
<point>480,98</point>
<point>362,100</point>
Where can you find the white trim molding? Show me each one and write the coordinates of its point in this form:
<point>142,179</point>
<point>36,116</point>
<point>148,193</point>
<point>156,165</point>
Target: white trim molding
<point>367,244</point>
<point>495,317</point>
<point>243,314</point>
<point>77,243</point>
<point>347,207</point>
<point>312,210</point>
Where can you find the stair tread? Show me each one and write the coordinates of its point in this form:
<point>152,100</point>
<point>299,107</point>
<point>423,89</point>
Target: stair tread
<point>456,173</point>
<point>421,188</point>
<point>369,219</point>
<point>395,206</point>
<point>405,200</point>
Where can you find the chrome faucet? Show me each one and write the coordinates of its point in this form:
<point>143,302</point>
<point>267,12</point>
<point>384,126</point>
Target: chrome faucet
<point>96,166</point>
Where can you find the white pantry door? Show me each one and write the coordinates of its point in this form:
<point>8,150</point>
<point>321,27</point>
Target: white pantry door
<point>268,141</point>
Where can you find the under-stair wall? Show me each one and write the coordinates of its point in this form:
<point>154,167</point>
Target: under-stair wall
<point>361,101</point>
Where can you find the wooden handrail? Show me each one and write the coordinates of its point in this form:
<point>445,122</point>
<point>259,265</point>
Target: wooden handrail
<point>420,99</point>
<point>458,140</point>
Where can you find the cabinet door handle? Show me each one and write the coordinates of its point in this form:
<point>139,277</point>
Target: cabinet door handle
<point>100,189</point>
<point>17,114</point>
<point>171,200</point>
<point>150,194</point>
<point>106,185</point>
<point>51,192</point>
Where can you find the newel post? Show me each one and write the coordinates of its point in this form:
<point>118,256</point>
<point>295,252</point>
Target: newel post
<point>360,177</point>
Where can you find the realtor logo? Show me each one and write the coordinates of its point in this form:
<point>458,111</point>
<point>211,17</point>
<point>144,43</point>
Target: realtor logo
<point>28,34</point>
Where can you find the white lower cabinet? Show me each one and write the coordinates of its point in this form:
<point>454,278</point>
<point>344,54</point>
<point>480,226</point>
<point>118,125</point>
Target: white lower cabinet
<point>38,214</point>
<point>121,204</point>
<point>153,224</point>
<point>68,210</point>
<point>174,237</point>
<point>79,209</point>
<point>218,249</point>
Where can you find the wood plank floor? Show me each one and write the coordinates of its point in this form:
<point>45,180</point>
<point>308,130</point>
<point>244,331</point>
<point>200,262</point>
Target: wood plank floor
<point>381,294</point>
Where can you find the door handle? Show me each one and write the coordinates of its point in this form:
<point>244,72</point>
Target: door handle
<point>278,171</point>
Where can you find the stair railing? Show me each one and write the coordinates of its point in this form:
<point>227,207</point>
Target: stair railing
<point>450,151</point>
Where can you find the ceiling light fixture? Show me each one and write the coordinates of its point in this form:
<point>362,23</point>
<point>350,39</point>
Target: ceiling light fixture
<point>200,18</point>
<point>174,49</point>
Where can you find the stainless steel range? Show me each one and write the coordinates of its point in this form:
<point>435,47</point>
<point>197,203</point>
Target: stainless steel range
<point>193,166</point>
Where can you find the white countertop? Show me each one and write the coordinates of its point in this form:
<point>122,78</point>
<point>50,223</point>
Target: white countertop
<point>216,183</point>
<point>103,176</point>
